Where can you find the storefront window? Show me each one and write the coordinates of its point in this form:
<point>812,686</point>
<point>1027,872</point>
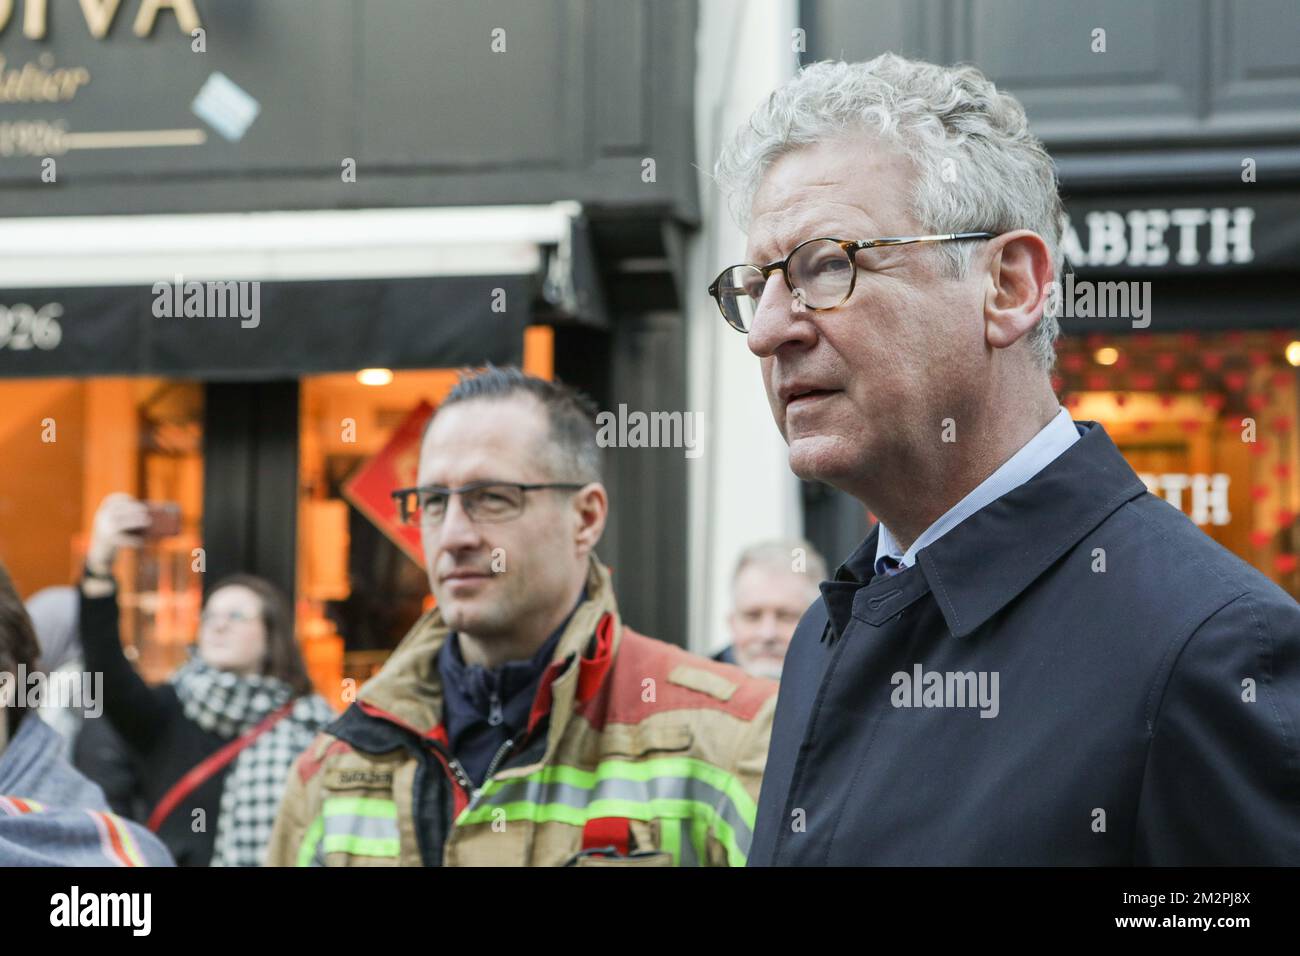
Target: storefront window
<point>1208,420</point>
<point>66,444</point>
<point>359,590</point>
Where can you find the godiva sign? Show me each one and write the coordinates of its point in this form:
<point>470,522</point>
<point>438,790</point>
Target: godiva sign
<point>80,96</point>
<point>99,16</point>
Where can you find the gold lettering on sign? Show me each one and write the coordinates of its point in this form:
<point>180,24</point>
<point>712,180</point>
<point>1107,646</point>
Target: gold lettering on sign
<point>99,16</point>
<point>186,15</point>
<point>40,82</point>
<point>34,20</point>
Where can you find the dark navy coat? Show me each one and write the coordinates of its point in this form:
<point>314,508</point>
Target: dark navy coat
<point>1147,706</point>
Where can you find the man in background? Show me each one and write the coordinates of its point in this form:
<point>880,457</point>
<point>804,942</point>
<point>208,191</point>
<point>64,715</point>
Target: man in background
<point>521,723</point>
<point>773,584</point>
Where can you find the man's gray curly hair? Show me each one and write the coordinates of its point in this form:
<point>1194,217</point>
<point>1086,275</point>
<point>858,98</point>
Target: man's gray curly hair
<point>979,168</point>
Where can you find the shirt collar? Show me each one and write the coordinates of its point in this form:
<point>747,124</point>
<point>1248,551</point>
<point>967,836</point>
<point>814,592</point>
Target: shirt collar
<point>1036,454</point>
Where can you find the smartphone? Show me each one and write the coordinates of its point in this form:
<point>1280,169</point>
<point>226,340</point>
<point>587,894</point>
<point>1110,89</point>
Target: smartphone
<point>164,519</point>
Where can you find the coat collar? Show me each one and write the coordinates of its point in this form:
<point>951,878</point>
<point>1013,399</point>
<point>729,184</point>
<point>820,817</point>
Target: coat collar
<point>840,593</point>
<point>981,565</point>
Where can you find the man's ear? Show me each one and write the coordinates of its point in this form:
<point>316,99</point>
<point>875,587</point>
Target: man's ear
<point>591,503</point>
<point>1019,279</point>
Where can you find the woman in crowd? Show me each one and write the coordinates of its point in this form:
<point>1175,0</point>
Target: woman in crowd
<point>215,743</point>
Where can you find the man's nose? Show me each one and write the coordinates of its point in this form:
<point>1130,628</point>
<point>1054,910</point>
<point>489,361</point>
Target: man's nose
<point>457,532</point>
<point>778,319</point>
<point>770,628</point>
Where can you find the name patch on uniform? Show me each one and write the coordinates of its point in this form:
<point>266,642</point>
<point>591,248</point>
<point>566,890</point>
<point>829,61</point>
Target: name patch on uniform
<point>370,779</point>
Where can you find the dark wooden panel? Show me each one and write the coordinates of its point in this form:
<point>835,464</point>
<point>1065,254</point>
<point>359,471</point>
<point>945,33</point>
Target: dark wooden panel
<point>853,30</point>
<point>1173,71</point>
<point>410,89</point>
<point>435,93</point>
<point>617,43</point>
<point>250,481</point>
<point>640,363</point>
<point>1145,84</point>
<point>649,484</point>
<point>1255,67</point>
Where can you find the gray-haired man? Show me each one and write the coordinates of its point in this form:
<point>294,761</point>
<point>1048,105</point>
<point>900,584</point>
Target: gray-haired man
<point>1032,660</point>
<point>772,585</point>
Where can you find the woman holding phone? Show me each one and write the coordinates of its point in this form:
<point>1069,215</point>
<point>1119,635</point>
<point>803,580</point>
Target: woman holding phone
<point>213,745</point>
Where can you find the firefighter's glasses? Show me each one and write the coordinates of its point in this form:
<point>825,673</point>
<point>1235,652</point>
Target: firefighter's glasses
<point>486,502</point>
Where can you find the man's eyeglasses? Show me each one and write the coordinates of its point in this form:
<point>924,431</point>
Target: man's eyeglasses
<point>484,501</point>
<point>820,274</point>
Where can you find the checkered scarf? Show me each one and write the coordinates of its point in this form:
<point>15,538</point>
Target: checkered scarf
<point>229,705</point>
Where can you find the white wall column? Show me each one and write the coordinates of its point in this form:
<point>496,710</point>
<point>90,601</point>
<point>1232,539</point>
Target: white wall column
<point>740,489</point>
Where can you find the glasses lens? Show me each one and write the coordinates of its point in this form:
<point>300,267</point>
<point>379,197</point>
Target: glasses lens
<point>429,507</point>
<point>493,502</point>
<point>821,274</point>
<point>739,290</point>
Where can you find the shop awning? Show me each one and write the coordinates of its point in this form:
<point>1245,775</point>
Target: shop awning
<point>271,295</point>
